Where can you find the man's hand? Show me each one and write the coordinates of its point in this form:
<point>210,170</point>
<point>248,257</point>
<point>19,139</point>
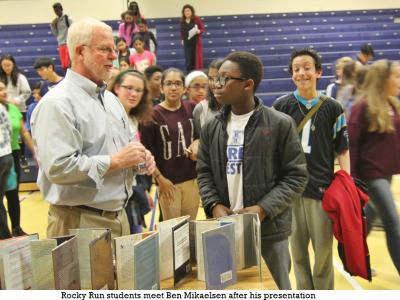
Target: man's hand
<point>254,209</point>
<point>132,154</point>
<point>221,210</point>
<point>150,163</point>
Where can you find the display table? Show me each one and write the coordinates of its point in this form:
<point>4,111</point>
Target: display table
<point>248,279</point>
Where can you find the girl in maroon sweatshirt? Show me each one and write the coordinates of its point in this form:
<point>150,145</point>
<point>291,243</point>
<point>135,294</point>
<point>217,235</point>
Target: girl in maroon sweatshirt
<point>374,132</point>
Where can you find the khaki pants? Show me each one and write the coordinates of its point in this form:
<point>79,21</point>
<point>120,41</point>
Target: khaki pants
<point>186,201</point>
<point>61,218</point>
<point>311,223</point>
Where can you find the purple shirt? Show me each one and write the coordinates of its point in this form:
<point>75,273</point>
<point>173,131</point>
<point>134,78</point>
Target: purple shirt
<point>373,155</point>
<point>167,136</point>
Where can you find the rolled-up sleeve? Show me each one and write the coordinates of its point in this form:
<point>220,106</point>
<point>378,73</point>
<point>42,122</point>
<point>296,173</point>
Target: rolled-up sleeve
<point>59,147</point>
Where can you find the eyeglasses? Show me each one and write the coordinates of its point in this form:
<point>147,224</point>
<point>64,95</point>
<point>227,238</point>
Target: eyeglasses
<point>223,80</point>
<point>104,49</point>
<point>198,87</point>
<point>177,84</point>
<point>130,89</point>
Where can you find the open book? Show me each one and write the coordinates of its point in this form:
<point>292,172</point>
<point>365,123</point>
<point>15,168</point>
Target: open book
<point>44,259</point>
<point>16,264</point>
<point>136,261</point>
<point>95,257</point>
<point>219,256</point>
<point>174,248</point>
<point>247,240</point>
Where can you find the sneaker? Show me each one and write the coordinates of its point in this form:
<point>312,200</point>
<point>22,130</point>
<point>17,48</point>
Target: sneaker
<point>17,231</point>
<point>23,162</point>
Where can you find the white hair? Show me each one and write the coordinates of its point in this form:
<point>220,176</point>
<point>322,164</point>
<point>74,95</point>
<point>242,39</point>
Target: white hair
<point>80,33</point>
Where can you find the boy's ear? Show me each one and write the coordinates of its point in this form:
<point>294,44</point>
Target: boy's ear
<point>249,85</point>
<point>319,73</point>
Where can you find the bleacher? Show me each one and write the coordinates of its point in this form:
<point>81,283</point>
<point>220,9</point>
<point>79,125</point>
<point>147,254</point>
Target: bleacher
<point>271,36</point>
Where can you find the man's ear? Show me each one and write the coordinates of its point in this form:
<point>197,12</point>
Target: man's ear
<point>79,50</point>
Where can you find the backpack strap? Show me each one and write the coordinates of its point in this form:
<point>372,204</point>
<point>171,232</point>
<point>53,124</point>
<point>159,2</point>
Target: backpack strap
<point>303,122</point>
<point>66,21</point>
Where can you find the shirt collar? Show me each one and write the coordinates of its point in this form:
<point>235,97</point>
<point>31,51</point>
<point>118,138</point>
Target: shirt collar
<point>86,84</point>
<point>307,103</point>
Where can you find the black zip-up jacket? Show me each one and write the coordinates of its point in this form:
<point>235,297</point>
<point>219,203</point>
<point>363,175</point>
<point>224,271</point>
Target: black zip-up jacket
<point>274,167</point>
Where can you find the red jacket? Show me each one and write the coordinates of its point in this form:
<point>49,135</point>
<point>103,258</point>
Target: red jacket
<point>343,202</point>
<point>199,45</point>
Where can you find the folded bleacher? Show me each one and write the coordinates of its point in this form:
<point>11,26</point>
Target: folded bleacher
<point>271,36</point>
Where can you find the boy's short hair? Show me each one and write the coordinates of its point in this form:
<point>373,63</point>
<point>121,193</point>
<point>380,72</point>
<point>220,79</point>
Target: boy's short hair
<point>309,52</point>
<point>39,85</point>
<point>367,50</point>
<point>43,62</point>
<point>151,70</point>
<point>250,66</point>
<point>57,5</point>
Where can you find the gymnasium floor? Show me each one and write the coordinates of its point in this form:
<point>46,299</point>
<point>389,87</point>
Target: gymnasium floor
<point>34,219</point>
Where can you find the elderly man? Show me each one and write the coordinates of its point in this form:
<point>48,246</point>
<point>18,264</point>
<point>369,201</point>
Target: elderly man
<point>84,145</point>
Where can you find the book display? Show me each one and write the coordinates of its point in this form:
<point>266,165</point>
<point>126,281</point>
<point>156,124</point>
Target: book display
<point>178,254</point>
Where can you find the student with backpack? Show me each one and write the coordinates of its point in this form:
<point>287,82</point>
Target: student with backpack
<point>59,28</point>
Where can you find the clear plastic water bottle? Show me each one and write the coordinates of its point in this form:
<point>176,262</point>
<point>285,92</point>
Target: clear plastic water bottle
<point>139,169</point>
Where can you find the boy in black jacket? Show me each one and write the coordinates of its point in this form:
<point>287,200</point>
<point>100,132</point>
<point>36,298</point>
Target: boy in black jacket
<point>250,160</point>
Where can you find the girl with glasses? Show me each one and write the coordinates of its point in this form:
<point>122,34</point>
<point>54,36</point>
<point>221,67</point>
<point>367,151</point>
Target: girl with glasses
<point>171,138</point>
<point>131,89</point>
<point>196,83</point>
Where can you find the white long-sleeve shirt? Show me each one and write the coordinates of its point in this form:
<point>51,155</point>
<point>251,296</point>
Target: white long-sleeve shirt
<point>74,135</point>
<point>20,93</point>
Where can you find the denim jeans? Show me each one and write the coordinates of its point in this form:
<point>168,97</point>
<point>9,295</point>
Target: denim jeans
<point>382,198</point>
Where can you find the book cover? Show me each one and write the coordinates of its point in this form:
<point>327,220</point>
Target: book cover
<point>101,262</point>
<point>66,265</point>
<point>219,257</point>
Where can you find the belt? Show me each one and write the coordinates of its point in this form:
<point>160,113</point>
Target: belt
<point>97,210</point>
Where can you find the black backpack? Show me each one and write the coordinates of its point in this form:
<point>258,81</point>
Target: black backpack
<point>67,21</point>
